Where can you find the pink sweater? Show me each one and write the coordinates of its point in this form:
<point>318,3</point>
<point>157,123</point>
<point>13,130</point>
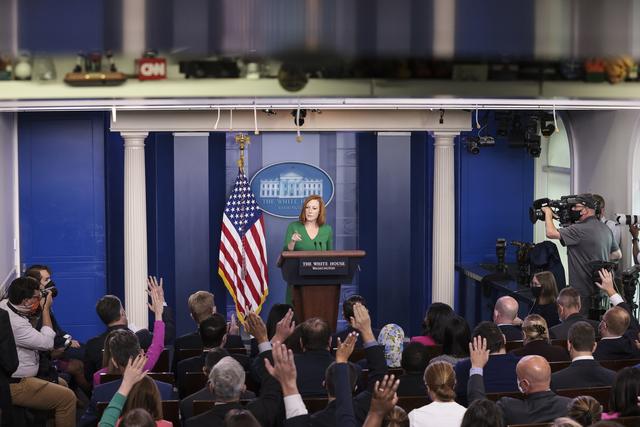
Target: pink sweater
<point>424,340</point>
<point>153,353</point>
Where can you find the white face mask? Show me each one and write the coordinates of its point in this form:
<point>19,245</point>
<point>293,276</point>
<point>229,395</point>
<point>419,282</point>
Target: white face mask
<point>520,388</point>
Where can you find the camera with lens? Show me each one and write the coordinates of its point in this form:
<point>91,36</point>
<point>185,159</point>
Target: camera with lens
<point>522,257</point>
<point>596,266</point>
<point>630,284</point>
<point>50,288</point>
<point>562,209</point>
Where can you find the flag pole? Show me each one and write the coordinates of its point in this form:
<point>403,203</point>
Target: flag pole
<point>241,140</point>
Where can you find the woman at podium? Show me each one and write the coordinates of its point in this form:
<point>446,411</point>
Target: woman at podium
<point>310,233</point>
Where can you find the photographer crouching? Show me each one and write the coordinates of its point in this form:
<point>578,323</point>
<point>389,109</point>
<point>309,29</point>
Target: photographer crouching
<point>587,239</point>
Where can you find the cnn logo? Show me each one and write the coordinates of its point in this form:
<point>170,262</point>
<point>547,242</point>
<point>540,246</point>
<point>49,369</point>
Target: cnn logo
<point>152,69</point>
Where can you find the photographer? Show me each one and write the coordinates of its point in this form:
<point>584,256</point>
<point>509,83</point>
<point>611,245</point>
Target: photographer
<point>25,298</point>
<point>67,353</point>
<point>588,239</point>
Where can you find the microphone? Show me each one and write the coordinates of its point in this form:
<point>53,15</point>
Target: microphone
<point>315,245</point>
<point>320,245</point>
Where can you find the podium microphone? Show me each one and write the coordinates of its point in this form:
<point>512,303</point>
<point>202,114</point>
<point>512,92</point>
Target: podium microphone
<point>320,245</point>
<point>315,245</point>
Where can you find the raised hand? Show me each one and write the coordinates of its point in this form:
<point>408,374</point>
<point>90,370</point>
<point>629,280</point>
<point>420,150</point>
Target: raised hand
<point>362,322</point>
<point>383,400</point>
<point>157,297</point>
<point>478,352</point>
<point>346,348</point>
<point>607,282</point>
<point>255,326</point>
<point>133,373</point>
<point>283,368</point>
<point>284,327</point>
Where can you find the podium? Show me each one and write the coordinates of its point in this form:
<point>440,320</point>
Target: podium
<point>315,277</point>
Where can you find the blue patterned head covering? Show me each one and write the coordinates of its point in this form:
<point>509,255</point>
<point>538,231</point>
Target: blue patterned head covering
<point>392,338</point>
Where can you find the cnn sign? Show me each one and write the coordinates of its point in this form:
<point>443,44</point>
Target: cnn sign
<point>152,69</point>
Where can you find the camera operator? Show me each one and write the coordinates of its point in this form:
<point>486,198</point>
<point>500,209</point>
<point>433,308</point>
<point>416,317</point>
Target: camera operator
<point>588,239</point>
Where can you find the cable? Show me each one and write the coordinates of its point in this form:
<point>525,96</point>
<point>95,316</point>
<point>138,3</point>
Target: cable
<point>215,127</point>
<point>255,119</point>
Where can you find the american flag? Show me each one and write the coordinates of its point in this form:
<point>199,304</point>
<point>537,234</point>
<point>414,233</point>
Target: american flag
<point>242,263</point>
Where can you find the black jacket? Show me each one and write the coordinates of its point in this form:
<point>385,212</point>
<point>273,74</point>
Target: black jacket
<point>193,340</point>
<point>581,374</point>
<point>267,408</point>
<point>553,353</point>
<point>412,384</point>
<point>541,407</point>
<point>362,401</point>
<point>561,331</point>
<point>616,349</point>
<point>511,332</point>
<point>311,367</point>
<point>8,365</point>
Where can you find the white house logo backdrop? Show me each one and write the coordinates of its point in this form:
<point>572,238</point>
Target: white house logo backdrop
<point>281,188</point>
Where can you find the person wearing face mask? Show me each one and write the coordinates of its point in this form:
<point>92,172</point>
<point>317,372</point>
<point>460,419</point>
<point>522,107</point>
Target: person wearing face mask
<point>67,353</point>
<point>539,405</point>
<point>545,291</point>
<point>25,299</point>
<point>588,239</point>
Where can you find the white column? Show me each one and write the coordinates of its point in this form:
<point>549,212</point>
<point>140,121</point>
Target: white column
<point>135,229</point>
<point>443,259</point>
<point>444,24</point>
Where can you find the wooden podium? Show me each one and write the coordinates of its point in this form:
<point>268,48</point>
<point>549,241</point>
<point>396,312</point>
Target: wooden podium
<point>315,277</point>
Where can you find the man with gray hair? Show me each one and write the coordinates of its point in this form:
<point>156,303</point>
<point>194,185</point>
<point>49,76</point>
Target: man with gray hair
<point>227,382</point>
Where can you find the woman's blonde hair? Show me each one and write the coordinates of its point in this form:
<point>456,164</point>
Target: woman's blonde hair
<point>397,417</point>
<point>440,378</point>
<point>535,328</point>
<point>145,395</point>
<point>586,410</point>
<point>322,216</point>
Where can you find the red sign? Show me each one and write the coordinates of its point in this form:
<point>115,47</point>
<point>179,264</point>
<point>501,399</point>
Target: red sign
<point>152,68</point>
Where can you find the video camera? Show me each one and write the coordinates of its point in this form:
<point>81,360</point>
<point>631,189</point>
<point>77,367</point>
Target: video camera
<point>522,257</point>
<point>629,285</point>
<point>562,209</point>
<point>596,266</point>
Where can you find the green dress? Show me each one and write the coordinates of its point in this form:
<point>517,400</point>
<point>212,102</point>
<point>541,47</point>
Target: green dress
<point>322,242</point>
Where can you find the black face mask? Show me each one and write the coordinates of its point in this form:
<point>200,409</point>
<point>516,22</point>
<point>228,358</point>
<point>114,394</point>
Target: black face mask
<point>536,291</point>
<point>574,215</point>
